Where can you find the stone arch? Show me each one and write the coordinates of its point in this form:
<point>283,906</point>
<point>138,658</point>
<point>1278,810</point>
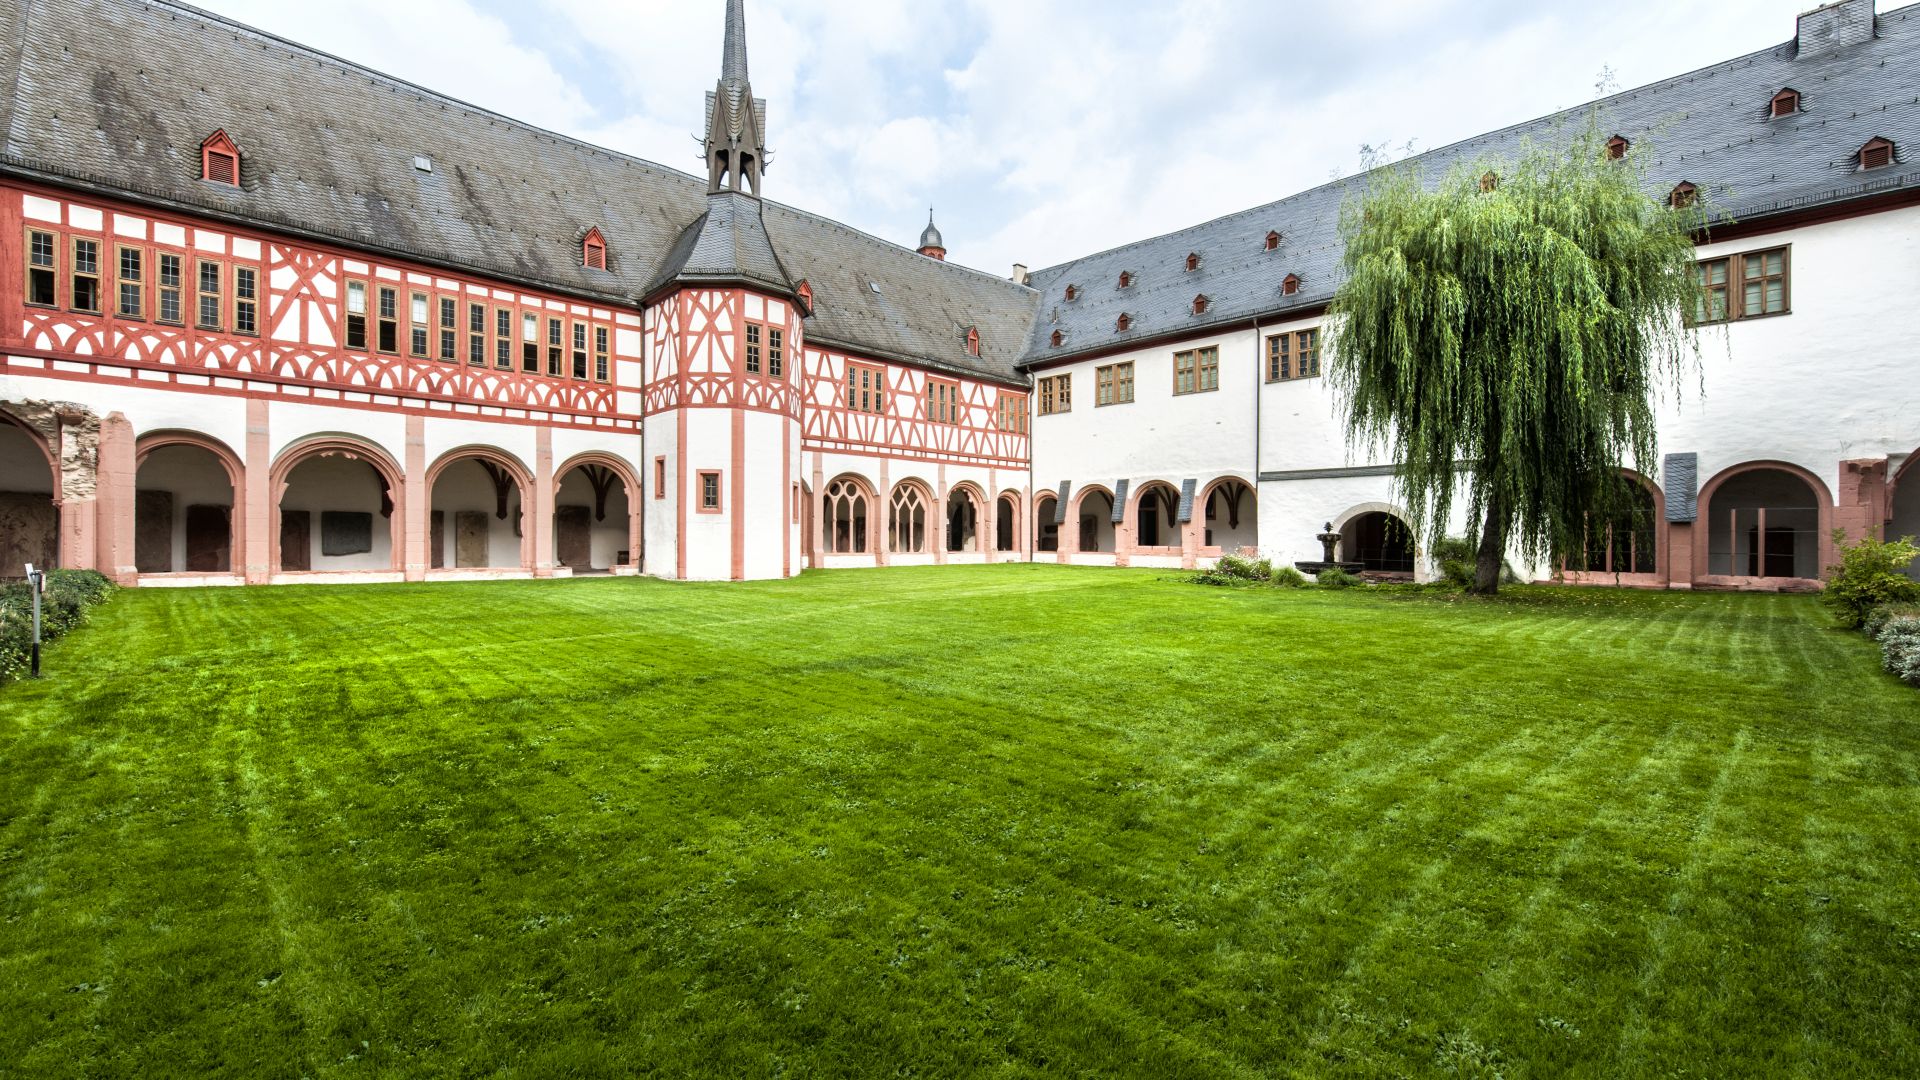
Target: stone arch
<point>849,516</point>
<point>349,448</point>
<point>631,540</point>
<point>1811,545</point>
<point>1381,540</point>
<point>1903,504</point>
<point>1006,522</point>
<point>968,535</point>
<point>1046,531</point>
<point>29,518</point>
<point>911,510</point>
<point>190,544</point>
<point>1233,502</point>
<point>1614,553</point>
<point>1092,520</point>
<point>501,466</point>
<point>1154,511</point>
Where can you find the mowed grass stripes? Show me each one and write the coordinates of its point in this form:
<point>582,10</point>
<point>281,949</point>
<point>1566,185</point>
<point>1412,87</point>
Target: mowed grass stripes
<point>1009,821</point>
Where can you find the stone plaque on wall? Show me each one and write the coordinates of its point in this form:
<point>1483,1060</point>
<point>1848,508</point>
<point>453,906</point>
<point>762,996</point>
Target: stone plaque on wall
<point>296,540</point>
<point>573,536</point>
<point>29,532</point>
<point>345,533</point>
<point>153,532</point>
<point>209,540</point>
<point>470,539</point>
<point>437,539</point>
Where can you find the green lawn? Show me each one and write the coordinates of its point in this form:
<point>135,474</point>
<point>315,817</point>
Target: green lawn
<point>1013,821</point>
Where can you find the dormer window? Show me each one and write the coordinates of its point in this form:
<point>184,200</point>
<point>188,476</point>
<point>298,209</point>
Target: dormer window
<point>220,160</point>
<point>1617,147</point>
<point>1273,241</point>
<point>1123,324</point>
<point>1785,103</point>
<point>1193,262</point>
<point>1059,338</point>
<point>1073,293</point>
<point>1683,196</point>
<point>1490,182</point>
<point>1126,279</point>
<point>1877,154</point>
<point>593,250</point>
<point>973,341</point>
<point>1290,286</point>
<point>1200,305</point>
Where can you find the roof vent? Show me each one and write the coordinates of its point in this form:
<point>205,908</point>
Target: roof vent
<point>422,163</point>
<point>1835,26</point>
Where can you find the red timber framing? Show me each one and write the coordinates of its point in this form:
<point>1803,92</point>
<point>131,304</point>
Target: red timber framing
<point>220,310</point>
<point>978,422</point>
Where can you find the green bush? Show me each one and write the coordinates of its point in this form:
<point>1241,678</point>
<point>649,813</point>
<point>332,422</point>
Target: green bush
<point>1235,569</point>
<point>1900,647</point>
<point>1871,573</point>
<point>1335,578</point>
<point>1286,577</point>
<point>1879,617</point>
<point>69,596</point>
<point>1458,558</point>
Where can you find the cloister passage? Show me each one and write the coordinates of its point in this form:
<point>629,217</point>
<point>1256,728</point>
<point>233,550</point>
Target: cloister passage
<point>1905,510</point>
<point>337,514</point>
<point>29,520</point>
<point>1232,521</point>
<point>1096,521</point>
<point>963,520</point>
<point>1625,542</point>
<point>848,503</point>
<point>1157,517</point>
<point>1763,523</point>
<point>184,520</point>
<point>907,519</point>
<point>592,520</point>
<point>1380,542</point>
<point>1006,526</point>
<point>1046,531</point>
<point>475,521</point>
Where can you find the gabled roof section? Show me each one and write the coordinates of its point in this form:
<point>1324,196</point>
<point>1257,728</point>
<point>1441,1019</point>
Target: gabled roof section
<point>726,245</point>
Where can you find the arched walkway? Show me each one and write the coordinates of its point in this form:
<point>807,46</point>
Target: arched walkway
<point>1230,515</point>
<point>966,508</point>
<point>596,515</point>
<point>1006,524</point>
<point>1765,521</point>
<point>477,511</point>
<point>1156,517</point>
<point>1046,531</point>
<point>1630,541</point>
<point>909,518</point>
<point>338,508</point>
<point>1381,542</point>
<point>846,517</point>
<point>1903,506</point>
<point>1093,518</point>
<point>29,501</point>
<point>189,509</point>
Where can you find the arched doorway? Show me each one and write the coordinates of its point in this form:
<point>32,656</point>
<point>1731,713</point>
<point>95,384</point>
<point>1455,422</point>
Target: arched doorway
<point>1903,509</point>
<point>1006,523</point>
<point>1046,530</point>
<point>1625,540</point>
<point>1230,516</point>
<point>594,525</point>
<point>964,511</point>
<point>1766,520</point>
<point>476,516</point>
<point>338,508</point>
<point>845,517</point>
<point>186,517</point>
<point>1094,519</point>
<point>1156,517</point>
<point>1379,541</point>
<point>908,514</point>
<point>29,507</point>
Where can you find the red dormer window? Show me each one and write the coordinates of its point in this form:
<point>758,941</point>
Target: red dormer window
<point>1291,285</point>
<point>593,250</point>
<point>805,292</point>
<point>1684,195</point>
<point>973,341</point>
<point>1059,338</point>
<point>1073,293</point>
<point>1126,279</point>
<point>1877,154</point>
<point>1200,305</point>
<point>1123,324</point>
<point>220,160</point>
<point>1785,103</point>
<point>1193,262</point>
<point>1617,147</point>
<point>1273,241</point>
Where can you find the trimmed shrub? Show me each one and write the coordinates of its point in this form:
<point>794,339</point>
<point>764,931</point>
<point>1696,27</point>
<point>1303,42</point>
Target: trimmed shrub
<point>1900,648</point>
<point>1286,577</point>
<point>1458,558</point>
<point>1879,617</point>
<point>1871,574</point>
<point>1235,568</point>
<point>70,595</point>
<point>1335,578</point>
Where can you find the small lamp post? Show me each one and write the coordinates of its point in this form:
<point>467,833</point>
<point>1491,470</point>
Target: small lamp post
<point>36,581</point>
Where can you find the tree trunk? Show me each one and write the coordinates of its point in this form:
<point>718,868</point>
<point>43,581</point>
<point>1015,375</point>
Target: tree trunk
<point>1493,548</point>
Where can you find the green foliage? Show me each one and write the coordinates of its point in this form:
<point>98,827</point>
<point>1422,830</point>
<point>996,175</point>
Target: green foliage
<point>1879,617</point>
<point>1334,577</point>
<point>1287,577</point>
<point>1871,573</point>
<point>70,594</point>
<point>1455,556</point>
<point>1235,569</point>
<point>1899,638</point>
<point>1513,340</point>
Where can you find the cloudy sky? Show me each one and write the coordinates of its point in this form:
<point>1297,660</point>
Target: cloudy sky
<point>1041,130</point>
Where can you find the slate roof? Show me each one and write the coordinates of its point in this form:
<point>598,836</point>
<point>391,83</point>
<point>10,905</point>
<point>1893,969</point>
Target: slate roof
<point>1710,127</point>
<point>117,96</point>
<point>727,243</point>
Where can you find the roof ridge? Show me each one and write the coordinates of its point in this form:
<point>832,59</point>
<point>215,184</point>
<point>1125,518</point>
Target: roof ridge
<point>881,241</point>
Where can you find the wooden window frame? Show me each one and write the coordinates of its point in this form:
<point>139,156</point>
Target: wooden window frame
<point>1110,382</point>
<point>419,324</point>
<point>1056,394</point>
<point>446,311</point>
<point>347,316</point>
<point>1736,281</point>
<point>593,250</point>
<point>531,334</point>
<point>1618,147</point>
<point>556,347</point>
<point>776,352</point>
<point>201,296</point>
<point>660,477</point>
<point>1200,362</point>
<point>249,304</point>
<point>1787,96</point>
<point>873,399</point>
<point>943,401</point>
<point>751,337</point>
<point>386,327</point>
<point>580,352</point>
<point>51,268</point>
<point>717,504</point>
<point>75,275</point>
<point>1875,146</point>
<point>219,147</point>
<point>1011,413</point>
<point>138,281</point>
<point>602,354</point>
<point>477,340</point>
<point>178,290</point>
<point>1272,242</point>
<point>503,319</point>
<point>1290,286</point>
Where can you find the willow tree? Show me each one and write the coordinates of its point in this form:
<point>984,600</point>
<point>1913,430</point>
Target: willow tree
<point>1506,331</point>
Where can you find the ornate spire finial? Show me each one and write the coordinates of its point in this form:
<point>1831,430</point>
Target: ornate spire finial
<point>736,142</point>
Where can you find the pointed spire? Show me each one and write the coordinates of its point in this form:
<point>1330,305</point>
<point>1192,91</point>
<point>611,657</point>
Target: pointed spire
<point>932,244</point>
<point>736,144</point>
<point>733,59</point>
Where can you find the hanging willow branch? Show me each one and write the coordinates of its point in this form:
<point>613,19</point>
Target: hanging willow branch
<point>1508,329</point>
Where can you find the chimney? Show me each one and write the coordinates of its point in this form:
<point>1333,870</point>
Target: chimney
<point>1019,273</point>
<point>1834,27</point>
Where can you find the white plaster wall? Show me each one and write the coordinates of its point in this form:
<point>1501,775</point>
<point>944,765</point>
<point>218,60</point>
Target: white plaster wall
<point>196,478</point>
<point>148,409</point>
<point>709,446</point>
<point>659,507</point>
<point>444,435</point>
<point>765,476</point>
<point>569,443</point>
<point>335,483</point>
<point>465,485</point>
<point>289,422</point>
